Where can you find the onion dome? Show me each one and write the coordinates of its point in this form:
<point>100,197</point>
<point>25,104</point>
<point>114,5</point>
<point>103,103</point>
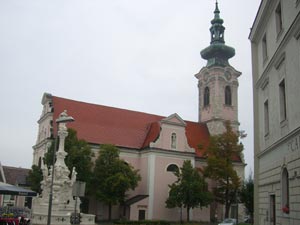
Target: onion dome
<point>217,53</point>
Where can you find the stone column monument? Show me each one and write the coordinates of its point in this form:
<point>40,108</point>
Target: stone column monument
<point>63,203</point>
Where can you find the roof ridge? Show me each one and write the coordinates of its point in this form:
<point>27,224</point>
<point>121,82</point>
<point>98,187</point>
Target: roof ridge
<point>13,167</point>
<point>107,106</point>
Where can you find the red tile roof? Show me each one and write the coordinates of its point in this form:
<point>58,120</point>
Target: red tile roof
<point>100,124</point>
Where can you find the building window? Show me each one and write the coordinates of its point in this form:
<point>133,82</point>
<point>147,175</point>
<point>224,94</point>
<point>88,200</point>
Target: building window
<point>272,209</point>
<point>266,118</point>
<point>8,200</point>
<point>51,133</point>
<point>40,162</point>
<point>282,100</point>
<point>172,168</point>
<point>285,191</point>
<point>227,95</point>
<point>206,96</point>
<point>278,18</point>
<point>173,141</point>
<point>142,214</point>
<point>264,48</point>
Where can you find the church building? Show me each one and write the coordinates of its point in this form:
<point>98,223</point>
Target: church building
<point>155,144</point>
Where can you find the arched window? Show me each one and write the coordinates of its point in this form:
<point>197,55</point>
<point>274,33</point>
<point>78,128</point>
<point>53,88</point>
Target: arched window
<point>228,95</point>
<point>173,141</point>
<point>285,191</point>
<point>206,96</point>
<point>40,162</point>
<point>172,168</point>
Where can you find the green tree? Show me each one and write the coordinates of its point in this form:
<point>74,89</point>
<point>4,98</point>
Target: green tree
<point>189,190</point>
<point>113,177</point>
<point>247,195</point>
<point>222,150</point>
<point>34,178</point>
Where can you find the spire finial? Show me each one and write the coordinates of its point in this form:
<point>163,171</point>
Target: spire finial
<point>217,11</point>
<point>217,53</point>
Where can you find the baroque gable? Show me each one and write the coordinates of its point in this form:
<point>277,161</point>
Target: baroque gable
<point>172,135</point>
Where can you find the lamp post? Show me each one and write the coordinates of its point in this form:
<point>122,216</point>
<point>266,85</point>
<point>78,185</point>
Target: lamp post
<point>63,118</point>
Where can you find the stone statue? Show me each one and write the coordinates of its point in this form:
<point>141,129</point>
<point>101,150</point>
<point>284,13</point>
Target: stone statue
<point>63,203</point>
<point>45,172</point>
<point>74,176</point>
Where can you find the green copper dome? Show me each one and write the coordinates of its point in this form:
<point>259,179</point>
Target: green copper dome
<point>217,54</point>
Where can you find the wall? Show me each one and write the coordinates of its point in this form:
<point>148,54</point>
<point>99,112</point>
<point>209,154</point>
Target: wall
<point>278,148</point>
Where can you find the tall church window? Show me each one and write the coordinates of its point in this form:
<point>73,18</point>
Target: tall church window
<point>228,95</point>
<point>278,14</point>
<point>272,209</point>
<point>282,100</point>
<point>206,96</point>
<point>40,162</point>
<point>266,117</point>
<point>264,48</point>
<point>173,141</point>
<point>285,191</point>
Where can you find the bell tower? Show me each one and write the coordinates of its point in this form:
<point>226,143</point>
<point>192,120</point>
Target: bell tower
<point>218,81</point>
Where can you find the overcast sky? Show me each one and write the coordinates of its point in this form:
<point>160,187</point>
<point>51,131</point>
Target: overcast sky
<point>133,54</point>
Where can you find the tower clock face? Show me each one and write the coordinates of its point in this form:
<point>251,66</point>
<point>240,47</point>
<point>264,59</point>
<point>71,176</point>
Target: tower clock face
<point>205,77</point>
<point>228,75</point>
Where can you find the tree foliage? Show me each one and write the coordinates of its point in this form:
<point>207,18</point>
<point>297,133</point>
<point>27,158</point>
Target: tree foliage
<point>113,177</point>
<point>222,150</point>
<point>34,178</point>
<point>189,190</point>
<point>247,195</point>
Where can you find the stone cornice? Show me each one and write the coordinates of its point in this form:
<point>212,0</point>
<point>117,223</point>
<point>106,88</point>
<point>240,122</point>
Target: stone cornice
<point>167,152</point>
<point>169,118</point>
<point>217,69</point>
<point>45,116</point>
<point>220,119</point>
<point>278,143</point>
<point>46,97</point>
<point>265,10</point>
<point>41,143</point>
